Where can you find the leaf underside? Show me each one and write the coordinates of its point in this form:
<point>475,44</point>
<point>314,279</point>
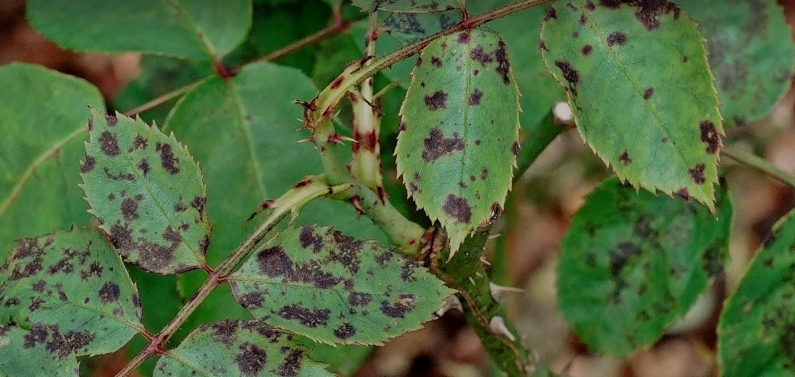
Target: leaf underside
<point>755,332</point>
<point>72,294</point>
<point>632,263</point>
<point>320,283</point>
<point>460,125</point>
<point>195,29</point>
<point>639,85</point>
<point>750,53</point>
<point>239,348</point>
<point>147,193</point>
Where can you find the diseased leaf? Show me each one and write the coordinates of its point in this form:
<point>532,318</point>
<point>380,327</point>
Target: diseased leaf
<point>457,149</point>
<point>320,283</point>
<point>750,53</point>
<point>71,290</point>
<point>410,6</point>
<point>520,31</point>
<point>639,261</point>
<point>15,357</point>
<point>641,91</point>
<point>238,348</point>
<point>147,193</point>
<point>246,141</point>
<point>194,29</point>
<point>755,332</point>
<point>39,151</point>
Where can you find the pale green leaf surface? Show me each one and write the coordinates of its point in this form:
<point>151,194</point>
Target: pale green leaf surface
<point>632,263</point>
<point>244,132</point>
<point>342,360</point>
<point>43,125</point>
<point>755,332</point>
<point>194,29</point>
<point>72,292</point>
<point>15,358</point>
<point>320,283</point>
<point>641,91</point>
<point>410,6</point>
<point>239,348</point>
<point>147,193</point>
<point>750,52</point>
<point>461,124</point>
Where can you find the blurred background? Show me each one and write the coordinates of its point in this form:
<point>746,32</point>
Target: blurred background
<point>542,201</point>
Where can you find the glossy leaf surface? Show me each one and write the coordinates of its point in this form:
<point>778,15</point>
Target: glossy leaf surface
<point>194,29</point>
<point>457,149</point>
<point>755,332</point>
<point>71,290</point>
<point>641,91</point>
<point>320,283</point>
<point>147,193</point>
<point>750,53</point>
<point>40,151</point>
<point>639,261</point>
<point>239,348</point>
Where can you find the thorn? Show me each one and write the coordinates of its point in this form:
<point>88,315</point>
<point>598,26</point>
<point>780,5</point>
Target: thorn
<point>493,236</point>
<point>355,202</point>
<point>307,140</point>
<point>484,261</point>
<point>338,139</point>
<point>497,326</point>
<point>450,303</point>
<point>381,194</point>
<point>498,291</point>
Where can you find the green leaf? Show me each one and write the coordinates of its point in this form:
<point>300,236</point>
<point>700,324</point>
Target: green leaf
<point>193,29</point>
<point>461,125</point>
<point>327,286</point>
<point>520,30</point>
<point>15,357</point>
<point>238,348</point>
<point>412,6</point>
<point>72,292</point>
<point>147,193</point>
<point>41,147</point>
<point>342,360</point>
<point>632,263</point>
<point>755,332</point>
<point>641,91</point>
<point>246,140</point>
<point>750,53</point>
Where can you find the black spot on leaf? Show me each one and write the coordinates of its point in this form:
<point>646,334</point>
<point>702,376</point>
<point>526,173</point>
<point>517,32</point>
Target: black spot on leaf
<point>697,173</point>
<point>251,360</point>
<point>463,38</point>
<point>274,262</point>
<point>129,209</point>
<point>56,343</point>
<point>474,98</point>
<point>111,120</point>
<point>408,269</point>
<point>611,4</point>
<point>309,238</point>
<point>503,66</point>
<point>620,256</point>
<point>648,93</point>
<point>616,38</point>
<point>436,145</point>
<point>251,300</point>
<point>308,317</point>
<point>109,144</point>
<point>569,74</point>
<point>345,331</point>
<point>143,166</point>
<point>88,165</point>
<point>683,193</point>
<point>624,158</point>
<point>436,62</point>
<point>436,101</point>
<point>400,307</point>
<point>551,13</point>
<point>359,298</point>
<point>458,208</point>
<point>109,292</point>
<point>709,135</point>
<point>138,143</point>
<point>479,55</point>
<point>291,364</point>
<point>590,6</point>
<point>586,50</point>
<point>224,332</point>
<point>167,159</point>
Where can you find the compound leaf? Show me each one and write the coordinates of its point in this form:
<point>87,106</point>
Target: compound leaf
<point>750,53</point>
<point>458,142</point>
<point>320,283</point>
<point>70,290</point>
<point>15,357</point>
<point>39,151</point>
<point>238,348</point>
<point>755,332</point>
<point>410,6</point>
<point>639,261</point>
<point>639,85</point>
<point>193,29</point>
<point>147,193</point>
